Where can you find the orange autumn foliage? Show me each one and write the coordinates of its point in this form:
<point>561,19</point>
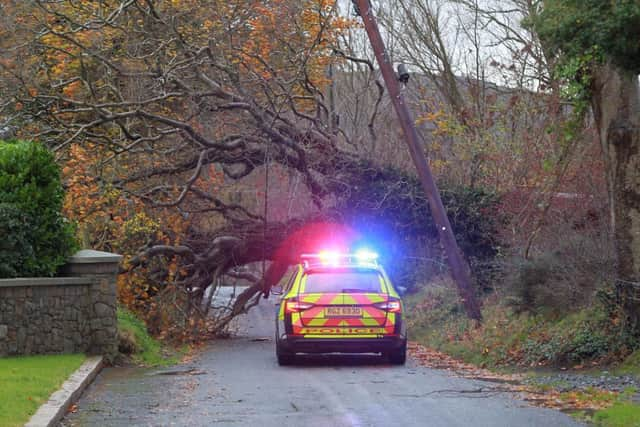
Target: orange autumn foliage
<point>293,41</point>
<point>109,220</point>
<point>92,67</point>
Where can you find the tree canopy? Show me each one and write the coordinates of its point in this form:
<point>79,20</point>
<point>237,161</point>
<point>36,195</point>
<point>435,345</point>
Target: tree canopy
<point>607,28</point>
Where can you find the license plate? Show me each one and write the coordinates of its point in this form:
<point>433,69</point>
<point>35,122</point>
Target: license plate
<point>343,312</point>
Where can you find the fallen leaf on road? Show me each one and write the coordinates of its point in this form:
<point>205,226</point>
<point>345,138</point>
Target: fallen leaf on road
<point>438,360</point>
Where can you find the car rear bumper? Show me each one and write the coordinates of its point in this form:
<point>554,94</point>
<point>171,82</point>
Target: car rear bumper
<point>299,344</point>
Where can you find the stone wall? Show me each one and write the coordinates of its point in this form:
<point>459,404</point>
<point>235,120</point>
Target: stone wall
<point>72,314</point>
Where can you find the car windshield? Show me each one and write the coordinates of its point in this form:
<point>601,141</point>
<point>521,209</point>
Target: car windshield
<point>343,281</point>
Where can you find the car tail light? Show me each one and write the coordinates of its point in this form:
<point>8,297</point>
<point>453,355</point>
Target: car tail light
<point>392,305</point>
<point>293,306</point>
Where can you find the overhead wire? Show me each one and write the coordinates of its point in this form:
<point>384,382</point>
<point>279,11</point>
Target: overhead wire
<point>265,291</point>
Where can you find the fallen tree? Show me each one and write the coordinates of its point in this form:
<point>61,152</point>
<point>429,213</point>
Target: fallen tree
<point>175,102</point>
<point>177,105</point>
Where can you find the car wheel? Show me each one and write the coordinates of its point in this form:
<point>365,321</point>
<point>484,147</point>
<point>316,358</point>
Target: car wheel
<point>284,357</point>
<point>399,356</point>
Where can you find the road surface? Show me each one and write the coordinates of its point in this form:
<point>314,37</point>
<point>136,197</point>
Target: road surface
<point>237,382</point>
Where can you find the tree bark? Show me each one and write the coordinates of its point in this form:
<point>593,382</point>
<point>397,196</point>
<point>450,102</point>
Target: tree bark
<point>616,106</point>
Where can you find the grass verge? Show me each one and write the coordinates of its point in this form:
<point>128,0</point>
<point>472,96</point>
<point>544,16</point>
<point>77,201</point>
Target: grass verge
<point>621,414</point>
<point>508,340</point>
<point>27,382</point>
<point>505,338</point>
<point>630,365</point>
<point>142,347</point>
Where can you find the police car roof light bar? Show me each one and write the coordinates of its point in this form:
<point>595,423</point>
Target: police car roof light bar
<point>337,259</point>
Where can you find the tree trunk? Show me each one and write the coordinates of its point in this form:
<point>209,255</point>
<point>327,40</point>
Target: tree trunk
<point>616,106</point>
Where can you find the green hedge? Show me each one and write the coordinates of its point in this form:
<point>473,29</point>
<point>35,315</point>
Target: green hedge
<point>35,239</point>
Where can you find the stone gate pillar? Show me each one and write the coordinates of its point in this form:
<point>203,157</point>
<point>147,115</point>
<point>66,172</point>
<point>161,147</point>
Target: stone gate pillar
<point>102,268</point>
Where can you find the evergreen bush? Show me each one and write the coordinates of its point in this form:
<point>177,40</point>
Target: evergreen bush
<point>35,239</point>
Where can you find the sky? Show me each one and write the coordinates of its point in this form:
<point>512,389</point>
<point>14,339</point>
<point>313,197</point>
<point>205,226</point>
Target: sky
<point>454,20</point>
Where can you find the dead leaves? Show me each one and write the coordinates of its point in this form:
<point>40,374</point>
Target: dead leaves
<point>438,360</point>
<point>580,400</point>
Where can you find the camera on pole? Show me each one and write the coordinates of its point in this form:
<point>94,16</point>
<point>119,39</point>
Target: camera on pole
<point>403,74</point>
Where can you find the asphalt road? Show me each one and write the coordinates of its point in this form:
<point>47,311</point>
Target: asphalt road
<point>237,382</point>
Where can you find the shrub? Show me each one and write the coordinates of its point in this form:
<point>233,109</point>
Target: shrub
<point>15,249</point>
<point>390,205</point>
<point>36,238</point>
<point>564,277</point>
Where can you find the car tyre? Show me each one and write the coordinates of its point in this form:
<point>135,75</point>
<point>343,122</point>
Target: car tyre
<point>399,356</point>
<point>285,358</point>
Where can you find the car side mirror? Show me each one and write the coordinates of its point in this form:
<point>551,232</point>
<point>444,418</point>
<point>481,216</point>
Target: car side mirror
<point>277,290</point>
<point>402,290</point>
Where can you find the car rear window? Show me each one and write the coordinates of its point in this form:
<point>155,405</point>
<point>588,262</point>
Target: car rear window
<point>343,281</point>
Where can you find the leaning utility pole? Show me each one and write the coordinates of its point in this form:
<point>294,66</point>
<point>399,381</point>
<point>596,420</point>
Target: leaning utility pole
<point>459,268</point>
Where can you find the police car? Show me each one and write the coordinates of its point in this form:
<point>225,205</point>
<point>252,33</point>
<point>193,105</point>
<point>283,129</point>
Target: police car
<point>340,303</point>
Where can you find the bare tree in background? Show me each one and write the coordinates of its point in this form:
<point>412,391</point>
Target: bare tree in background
<point>489,86</point>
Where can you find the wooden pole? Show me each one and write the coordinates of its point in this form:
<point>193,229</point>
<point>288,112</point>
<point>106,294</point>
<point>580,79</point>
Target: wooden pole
<point>457,263</point>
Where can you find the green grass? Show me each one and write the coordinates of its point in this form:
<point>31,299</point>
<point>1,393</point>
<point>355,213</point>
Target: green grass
<point>630,366</point>
<point>27,382</point>
<point>622,414</point>
<point>436,319</point>
<point>149,351</point>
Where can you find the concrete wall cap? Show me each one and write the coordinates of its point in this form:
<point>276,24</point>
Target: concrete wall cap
<point>22,282</point>
<point>89,256</point>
